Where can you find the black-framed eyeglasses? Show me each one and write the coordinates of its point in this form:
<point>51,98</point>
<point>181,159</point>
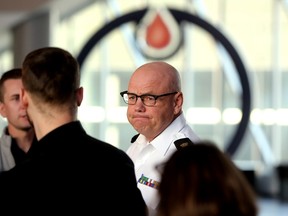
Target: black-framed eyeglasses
<point>147,99</point>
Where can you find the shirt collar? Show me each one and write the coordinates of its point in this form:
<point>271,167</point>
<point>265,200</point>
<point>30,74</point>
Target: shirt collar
<point>164,140</point>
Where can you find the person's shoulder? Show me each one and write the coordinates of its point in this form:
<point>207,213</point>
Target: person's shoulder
<point>107,149</point>
<point>5,141</point>
<point>104,150</point>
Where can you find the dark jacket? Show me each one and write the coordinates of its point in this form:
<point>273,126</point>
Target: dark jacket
<point>72,172</point>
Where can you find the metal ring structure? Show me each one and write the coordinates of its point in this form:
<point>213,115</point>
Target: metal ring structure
<point>135,16</point>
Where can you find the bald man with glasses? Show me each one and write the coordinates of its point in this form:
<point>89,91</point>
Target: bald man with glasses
<point>155,102</point>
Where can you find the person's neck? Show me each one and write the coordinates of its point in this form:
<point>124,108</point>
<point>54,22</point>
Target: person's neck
<point>44,125</point>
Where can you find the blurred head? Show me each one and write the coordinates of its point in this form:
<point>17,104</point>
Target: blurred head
<point>51,77</point>
<point>200,180</point>
<point>154,78</point>
<point>11,106</point>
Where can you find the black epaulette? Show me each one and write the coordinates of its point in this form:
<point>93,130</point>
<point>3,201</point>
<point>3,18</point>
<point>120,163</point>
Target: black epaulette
<point>182,143</point>
<point>133,139</point>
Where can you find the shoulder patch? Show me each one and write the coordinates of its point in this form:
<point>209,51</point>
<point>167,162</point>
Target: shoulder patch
<point>182,143</point>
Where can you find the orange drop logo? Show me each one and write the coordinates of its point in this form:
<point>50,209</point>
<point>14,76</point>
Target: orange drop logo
<point>157,34</point>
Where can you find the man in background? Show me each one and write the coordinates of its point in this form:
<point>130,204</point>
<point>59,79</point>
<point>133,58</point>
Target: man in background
<point>18,136</point>
<point>155,102</point>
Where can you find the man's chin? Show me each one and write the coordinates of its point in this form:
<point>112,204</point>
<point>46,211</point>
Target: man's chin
<point>28,125</point>
<point>140,130</point>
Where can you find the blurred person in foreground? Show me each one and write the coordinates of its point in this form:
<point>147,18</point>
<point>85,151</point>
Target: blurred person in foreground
<point>18,135</point>
<point>155,100</point>
<point>200,180</point>
<point>70,172</point>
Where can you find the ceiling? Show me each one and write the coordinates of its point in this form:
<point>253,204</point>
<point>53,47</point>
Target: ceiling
<point>14,11</point>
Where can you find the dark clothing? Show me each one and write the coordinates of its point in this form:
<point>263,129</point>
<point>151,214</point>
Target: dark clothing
<point>71,172</point>
<point>20,155</point>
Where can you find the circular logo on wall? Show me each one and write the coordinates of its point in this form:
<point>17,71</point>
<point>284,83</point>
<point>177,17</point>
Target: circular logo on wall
<point>156,29</point>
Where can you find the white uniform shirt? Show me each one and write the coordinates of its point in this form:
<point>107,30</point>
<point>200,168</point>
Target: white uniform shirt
<point>146,156</point>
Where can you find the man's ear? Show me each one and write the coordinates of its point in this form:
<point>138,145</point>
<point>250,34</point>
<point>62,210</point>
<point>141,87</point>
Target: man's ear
<point>79,96</point>
<point>178,102</point>
<point>3,110</point>
<point>24,99</point>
